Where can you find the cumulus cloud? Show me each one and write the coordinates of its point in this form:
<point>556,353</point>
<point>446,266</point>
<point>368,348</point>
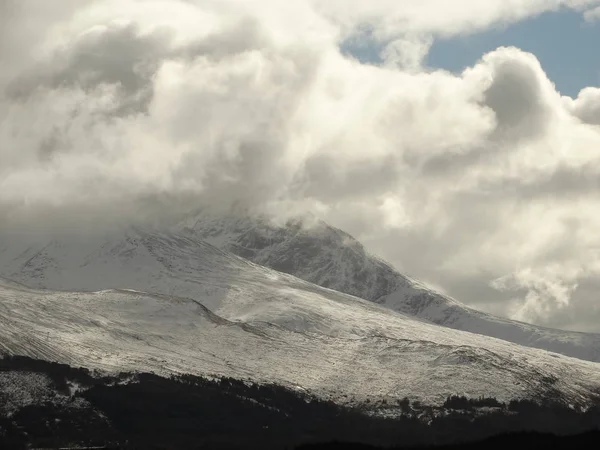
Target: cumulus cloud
<point>520,95</point>
<point>484,183</point>
<point>586,107</point>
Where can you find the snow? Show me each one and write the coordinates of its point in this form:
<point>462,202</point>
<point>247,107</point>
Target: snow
<point>328,257</point>
<point>213,313</point>
<point>455,315</point>
<point>19,389</point>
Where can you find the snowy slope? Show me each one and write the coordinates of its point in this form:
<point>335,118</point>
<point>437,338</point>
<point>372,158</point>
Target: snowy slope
<point>266,326</point>
<point>211,311</point>
<point>331,258</point>
<point>318,253</point>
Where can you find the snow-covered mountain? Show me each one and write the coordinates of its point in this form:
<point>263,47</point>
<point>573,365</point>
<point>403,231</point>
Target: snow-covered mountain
<point>317,252</point>
<point>313,251</point>
<point>211,312</point>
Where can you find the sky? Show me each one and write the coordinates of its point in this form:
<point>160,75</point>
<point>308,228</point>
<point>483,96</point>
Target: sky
<point>563,41</point>
<point>458,140</point>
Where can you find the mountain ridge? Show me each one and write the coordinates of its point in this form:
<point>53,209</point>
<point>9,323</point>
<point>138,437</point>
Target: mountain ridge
<point>257,323</point>
<point>332,258</point>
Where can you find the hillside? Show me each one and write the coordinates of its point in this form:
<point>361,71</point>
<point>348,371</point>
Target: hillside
<point>316,252</point>
<point>211,312</point>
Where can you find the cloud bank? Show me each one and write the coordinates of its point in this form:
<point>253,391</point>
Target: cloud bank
<point>483,183</point>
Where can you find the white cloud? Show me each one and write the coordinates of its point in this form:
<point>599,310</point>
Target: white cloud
<point>586,106</point>
<point>439,17</point>
<point>592,14</point>
<point>546,292</point>
<point>133,110</point>
<point>407,53</point>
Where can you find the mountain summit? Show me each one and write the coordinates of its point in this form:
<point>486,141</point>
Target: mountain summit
<point>314,251</point>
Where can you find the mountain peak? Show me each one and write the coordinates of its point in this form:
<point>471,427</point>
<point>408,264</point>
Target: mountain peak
<point>316,252</point>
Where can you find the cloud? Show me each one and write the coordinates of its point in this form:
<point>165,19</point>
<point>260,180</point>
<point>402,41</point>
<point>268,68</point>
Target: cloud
<point>520,95</point>
<point>483,183</point>
<point>545,293</point>
<point>407,53</point>
<point>441,18</point>
<point>592,14</point>
<point>586,107</point>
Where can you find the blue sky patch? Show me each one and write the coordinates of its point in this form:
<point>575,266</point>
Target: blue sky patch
<point>566,45</point>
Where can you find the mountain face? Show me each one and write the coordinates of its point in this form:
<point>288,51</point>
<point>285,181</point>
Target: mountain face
<point>321,254</point>
<point>331,258</point>
<point>212,312</point>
